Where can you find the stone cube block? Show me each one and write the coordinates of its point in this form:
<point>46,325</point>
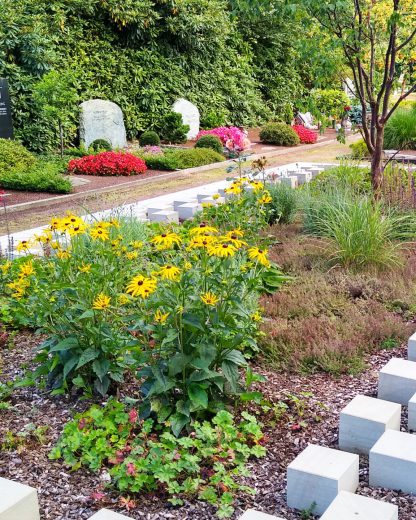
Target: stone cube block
<point>364,420</point>
<point>201,196</point>
<point>317,475</point>
<point>393,461</point>
<point>156,209</point>
<point>18,501</point>
<point>183,200</point>
<point>291,181</point>
<point>165,216</point>
<point>304,177</point>
<point>188,210</point>
<point>411,413</point>
<point>411,348</point>
<point>107,514</point>
<point>251,514</point>
<point>348,506</point>
<point>397,381</point>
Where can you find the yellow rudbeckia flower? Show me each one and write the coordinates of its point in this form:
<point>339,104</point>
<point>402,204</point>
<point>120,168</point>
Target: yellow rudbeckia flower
<point>203,229</point>
<point>260,255</point>
<point>99,233</point>
<point>23,245</point>
<point>161,317</point>
<point>170,272</point>
<point>224,250</point>
<point>27,269</point>
<point>166,240</point>
<point>209,298</point>
<point>101,302</point>
<point>141,286</point>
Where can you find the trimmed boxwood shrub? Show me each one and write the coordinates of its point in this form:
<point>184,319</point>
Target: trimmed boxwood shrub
<point>210,141</point>
<point>178,159</point>
<point>43,176</point>
<point>280,134</point>
<point>149,138</point>
<point>13,154</point>
<point>173,130</point>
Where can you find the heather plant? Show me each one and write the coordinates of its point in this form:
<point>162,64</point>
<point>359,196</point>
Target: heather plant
<point>207,464</point>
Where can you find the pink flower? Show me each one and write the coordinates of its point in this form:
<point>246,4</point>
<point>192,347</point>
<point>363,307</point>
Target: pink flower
<point>130,469</point>
<point>226,133</point>
<point>97,495</point>
<point>133,415</point>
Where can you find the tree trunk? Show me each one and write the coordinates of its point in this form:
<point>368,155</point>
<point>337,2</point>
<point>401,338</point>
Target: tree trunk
<point>377,163</point>
<point>61,138</point>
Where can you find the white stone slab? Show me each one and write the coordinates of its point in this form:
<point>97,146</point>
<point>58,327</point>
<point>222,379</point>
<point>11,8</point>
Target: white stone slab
<point>183,200</point>
<point>303,177</point>
<point>364,420</point>
<point>317,475</point>
<point>411,348</point>
<point>349,506</point>
<point>291,181</point>
<point>187,211</point>
<point>102,119</point>
<point>106,514</point>
<point>190,116</point>
<point>201,196</point>
<point>411,414</point>
<point>251,514</point>
<point>397,381</point>
<point>156,208</point>
<point>165,216</point>
<point>18,501</point>
<point>215,202</point>
<point>393,462</point>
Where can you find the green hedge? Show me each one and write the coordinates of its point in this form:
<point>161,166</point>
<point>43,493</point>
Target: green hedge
<point>179,159</point>
<point>280,134</point>
<point>44,176</point>
<point>13,154</point>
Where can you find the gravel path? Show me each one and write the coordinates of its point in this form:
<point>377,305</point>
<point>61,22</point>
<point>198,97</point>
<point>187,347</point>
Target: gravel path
<point>65,495</point>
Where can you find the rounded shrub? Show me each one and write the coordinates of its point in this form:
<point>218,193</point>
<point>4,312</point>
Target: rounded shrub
<point>13,154</point>
<point>100,145</point>
<point>210,141</point>
<point>280,134</point>
<point>149,138</point>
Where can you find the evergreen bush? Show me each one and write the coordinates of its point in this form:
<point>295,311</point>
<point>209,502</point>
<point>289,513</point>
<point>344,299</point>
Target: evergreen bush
<point>210,141</point>
<point>13,154</point>
<point>149,138</point>
<point>280,134</point>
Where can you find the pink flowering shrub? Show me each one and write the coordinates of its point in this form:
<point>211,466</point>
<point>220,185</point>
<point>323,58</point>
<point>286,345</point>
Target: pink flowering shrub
<point>228,133</point>
<point>306,136</point>
<point>153,150</point>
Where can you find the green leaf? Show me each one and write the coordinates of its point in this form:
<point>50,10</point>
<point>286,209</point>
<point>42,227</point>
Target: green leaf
<point>69,365</point>
<point>177,423</point>
<point>231,374</point>
<point>198,395</point>
<point>87,314</point>
<point>65,344</point>
<point>193,321</point>
<point>100,367</point>
<point>87,356</point>
<point>101,385</point>
<point>236,357</point>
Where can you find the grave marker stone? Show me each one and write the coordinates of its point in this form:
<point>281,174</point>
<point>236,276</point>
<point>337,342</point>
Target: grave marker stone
<point>6,123</point>
<point>101,119</point>
<point>190,116</point>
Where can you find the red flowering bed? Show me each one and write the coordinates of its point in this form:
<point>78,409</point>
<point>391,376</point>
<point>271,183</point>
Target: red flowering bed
<point>306,136</point>
<point>108,163</point>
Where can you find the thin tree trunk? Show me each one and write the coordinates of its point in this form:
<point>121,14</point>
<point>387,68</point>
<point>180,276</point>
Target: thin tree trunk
<point>61,138</point>
<point>377,163</point>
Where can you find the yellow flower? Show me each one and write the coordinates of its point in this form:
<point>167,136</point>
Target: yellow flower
<point>187,266</point>
<point>233,190</point>
<point>23,245</point>
<point>236,231</point>
<point>260,255</point>
<point>170,272</point>
<point>203,229</point>
<point>5,267</point>
<point>64,224</point>
<point>26,269</point>
<point>103,224</point>
<point>45,237</point>
<point>141,286</point>
<point>166,240</point>
<point>160,317</point>
<point>201,241</point>
<point>101,302</point>
<point>137,244</point>
<point>233,239</point>
<point>216,196</point>
<point>19,285</point>
<point>131,255</point>
<point>115,243</point>
<point>256,317</point>
<point>207,204</point>
<point>222,250</point>
<point>210,298</point>
<point>55,245</point>
<point>78,229</point>
<point>257,185</point>
<point>85,268</point>
<point>265,198</point>
<point>100,233</point>
<point>63,255</point>
<point>54,224</point>
<point>123,299</point>
<point>19,293</point>
<point>115,223</point>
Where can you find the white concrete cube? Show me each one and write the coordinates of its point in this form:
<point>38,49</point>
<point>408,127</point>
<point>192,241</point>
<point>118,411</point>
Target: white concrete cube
<point>411,348</point>
<point>188,210</point>
<point>349,506</point>
<point>251,514</point>
<point>304,177</point>
<point>106,514</point>
<point>364,420</point>
<point>156,209</point>
<point>397,381</point>
<point>317,475</point>
<point>183,200</point>
<point>165,216</point>
<point>18,501</point>
<point>201,196</point>
<point>411,413</point>
<point>393,462</point>
<point>291,181</point>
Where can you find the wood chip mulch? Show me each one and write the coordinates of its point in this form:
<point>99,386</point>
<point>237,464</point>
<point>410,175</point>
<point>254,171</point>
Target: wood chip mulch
<point>66,495</point>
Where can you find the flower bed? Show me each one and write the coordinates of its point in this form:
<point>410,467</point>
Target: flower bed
<point>227,133</point>
<point>306,136</point>
<point>108,163</point>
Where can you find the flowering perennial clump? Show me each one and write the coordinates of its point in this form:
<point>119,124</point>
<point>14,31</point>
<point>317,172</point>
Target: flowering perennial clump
<point>227,133</point>
<point>306,135</point>
<point>108,163</point>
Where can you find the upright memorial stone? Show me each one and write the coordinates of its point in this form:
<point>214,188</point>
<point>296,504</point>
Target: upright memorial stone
<point>190,116</point>
<point>101,119</point>
<point>6,123</point>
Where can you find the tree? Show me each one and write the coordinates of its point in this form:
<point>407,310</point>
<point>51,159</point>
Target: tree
<point>377,38</point>
<point>56,96</point>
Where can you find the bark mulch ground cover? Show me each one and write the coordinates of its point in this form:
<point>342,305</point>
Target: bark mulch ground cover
<point>311,418</point>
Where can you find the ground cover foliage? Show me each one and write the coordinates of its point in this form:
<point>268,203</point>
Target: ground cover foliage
<point>143,55</point>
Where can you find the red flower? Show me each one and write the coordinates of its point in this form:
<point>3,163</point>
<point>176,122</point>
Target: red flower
<point>347,108</point>
<point>306,136</point>
<point>133,415</point>
<point>108,163</point>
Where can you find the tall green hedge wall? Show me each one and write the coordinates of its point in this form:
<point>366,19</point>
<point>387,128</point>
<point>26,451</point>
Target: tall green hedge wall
<point>143,54</point>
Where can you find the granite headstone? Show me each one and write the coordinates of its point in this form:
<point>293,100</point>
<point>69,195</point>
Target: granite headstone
<point>6,123</point>
<point>101,119</point>
<point>190,116</point>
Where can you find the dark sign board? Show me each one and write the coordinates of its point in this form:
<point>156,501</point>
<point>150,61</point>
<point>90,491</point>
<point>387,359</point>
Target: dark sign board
<point>6,123</point>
